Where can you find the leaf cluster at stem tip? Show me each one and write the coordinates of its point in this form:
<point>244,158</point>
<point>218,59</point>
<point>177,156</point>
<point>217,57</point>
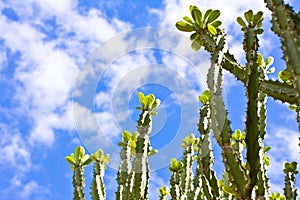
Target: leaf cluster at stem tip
<point>200,23</point>
<point>175,165</point>
<point>204,98</point>
<point>78,158</point>
<point>253,20</point>
<point>290,167</point>
<point>148,103</point>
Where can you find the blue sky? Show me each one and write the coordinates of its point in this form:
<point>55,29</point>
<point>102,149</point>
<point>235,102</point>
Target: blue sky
<point>49,47</point>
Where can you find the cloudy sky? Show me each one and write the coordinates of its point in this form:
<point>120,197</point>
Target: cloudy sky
<point>69,74</point>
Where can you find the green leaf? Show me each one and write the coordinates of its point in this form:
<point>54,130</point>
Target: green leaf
<point>189,139</point>
<point>197,27</point>
<point>141,98</point>
<point>260,60</point>
<point>153,113</point>
<point>269,61</point>
<point>287,165</point>
<point>175,165</point>
<point>149,100</point>
<point>267,148</point>
<point>84,158</point>
<point>205,97</point>
<point>237,135</point>
<point>259,31</point>
<point>216,24</point>
<point>258,18</point>
<point>229,190</point>
<point>70,160</point>
<point>241,22</point>
<point>163,191</point>
<point>271,70</point>
<point>196,45</point>
<point>105,159</point>
<point>121,144</point>
<point>132,145</point>
<point>294,165</point>
<point>194,36</point>
<point>249,16</point>
<point>139,108</point>
<point>213,16</point>
<point>126,135</point>
<point>267,160</point>
<point>197,15</point>
<point>97,155</point>
<point>293,107</point>
<point>212,29</point>
<point>87,161</point>
<point>79,153</point>
<point>134,136</point>
<point>191,7</point>
<point>152,152</point>
<point>156,104</point>
<point>183,26</point>
<point>284,75</point>
<point>187,19</point>
<point>207,14</point>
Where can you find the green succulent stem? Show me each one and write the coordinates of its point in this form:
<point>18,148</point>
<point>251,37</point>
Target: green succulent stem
<point>78,161</point>
<point>221,124</point>
<point>290,170</point>
<point>98,187</point>
<point>140,163</point>
<point>140,166</point>
<point>285,23</point>
<point>124,175</point>
<point>278,90</point>
<point>205,159</point>
<point>187,173</point>
<point>250,45</point>
<point>78,183</point>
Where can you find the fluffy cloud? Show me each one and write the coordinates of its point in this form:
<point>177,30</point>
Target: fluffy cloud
<point>52,38</point>
<point>14,150</point>
<point>284,143</point>
<point>47,69</point>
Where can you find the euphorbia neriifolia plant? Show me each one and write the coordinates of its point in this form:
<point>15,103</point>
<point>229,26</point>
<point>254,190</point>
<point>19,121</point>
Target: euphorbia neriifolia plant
<point>243,152</point>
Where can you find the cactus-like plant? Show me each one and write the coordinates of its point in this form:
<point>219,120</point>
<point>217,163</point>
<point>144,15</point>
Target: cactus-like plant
<point>243,152</point>
<point>98,187</point>
<point>246,180</point>
<point>78,160</point>
<point>290,170</point>
<point>124,176</point>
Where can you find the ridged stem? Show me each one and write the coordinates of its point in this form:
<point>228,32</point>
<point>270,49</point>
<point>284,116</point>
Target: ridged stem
<point>140,168</point>
<point>205,156</point>
<point>278,90</point>
<point>250,46</point>
<point>285,23</point>
<point>124,174</point>
<point>79,183</point>
<point>221,124</point>
<point>98,187</point>
<point>290,169</point>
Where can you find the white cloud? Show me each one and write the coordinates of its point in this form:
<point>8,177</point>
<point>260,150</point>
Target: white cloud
<point>15,152</point>
<point>284,143</point>
<point>48,68</point>
<point>176,9</point>
<point>156,182</point>
<point>44,75</point>
<point>29,189</point>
